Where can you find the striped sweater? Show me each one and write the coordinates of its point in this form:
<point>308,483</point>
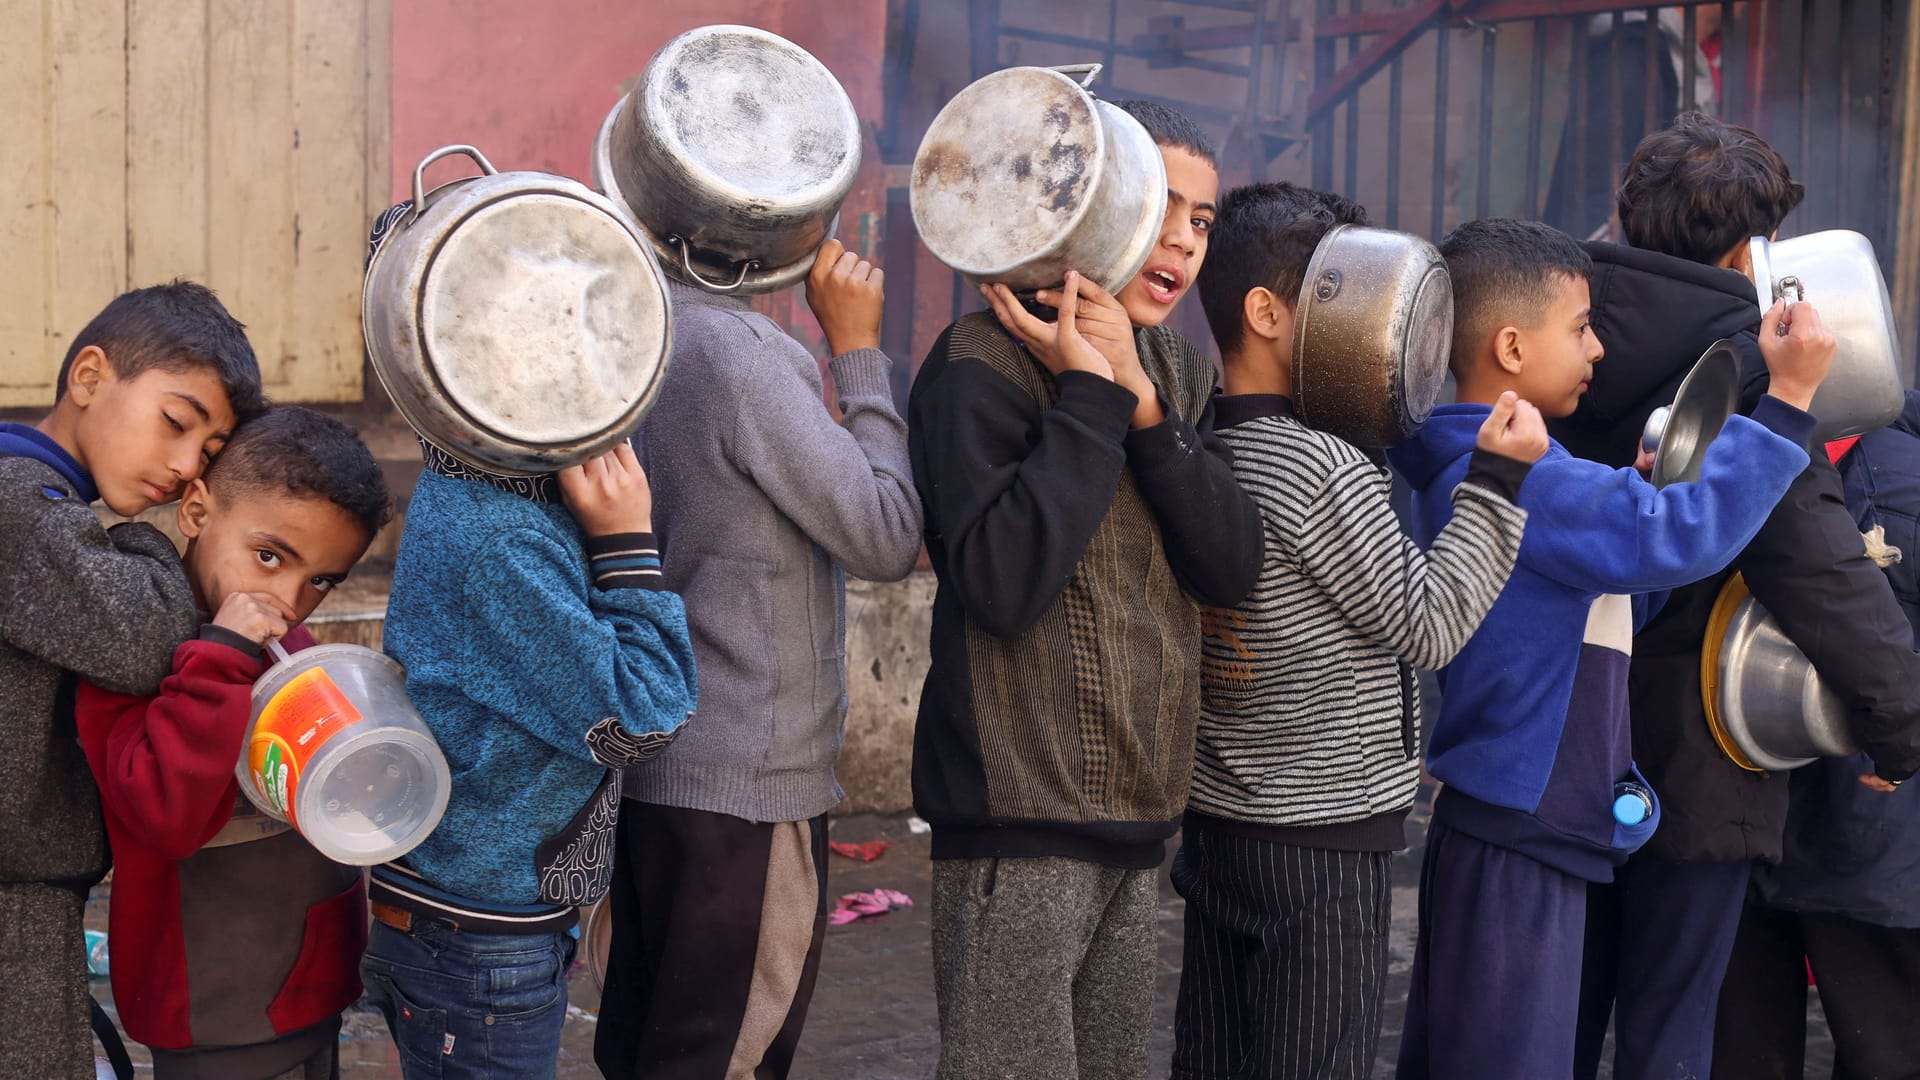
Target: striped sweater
<point>1309,725</point>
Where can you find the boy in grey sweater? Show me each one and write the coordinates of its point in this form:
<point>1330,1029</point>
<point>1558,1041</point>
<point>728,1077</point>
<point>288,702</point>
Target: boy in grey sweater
<point>763,501</point>
<point>148,392</point>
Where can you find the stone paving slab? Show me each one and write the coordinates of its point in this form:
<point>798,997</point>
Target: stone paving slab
<point>873,1013</point>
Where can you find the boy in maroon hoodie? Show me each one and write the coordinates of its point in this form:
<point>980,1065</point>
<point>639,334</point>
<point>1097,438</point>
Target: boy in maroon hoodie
<point>236,945</point>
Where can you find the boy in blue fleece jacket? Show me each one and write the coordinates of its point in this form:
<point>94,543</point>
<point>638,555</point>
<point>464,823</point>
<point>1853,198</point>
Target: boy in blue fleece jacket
<point>1533,731</point>
<point>544,654</point>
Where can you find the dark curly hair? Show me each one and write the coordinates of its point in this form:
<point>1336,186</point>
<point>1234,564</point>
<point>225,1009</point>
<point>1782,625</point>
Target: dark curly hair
<point>1504,273</point>
<point>293,451</point>
<point>1700,187</point>
<point>175,327</point>
<point>1264,236</point>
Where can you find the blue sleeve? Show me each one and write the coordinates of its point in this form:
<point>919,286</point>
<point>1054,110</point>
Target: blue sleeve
<point>561,656</point>
<point>1610,531</point>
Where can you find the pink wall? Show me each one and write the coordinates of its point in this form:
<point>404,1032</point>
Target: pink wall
<point>529,84</point>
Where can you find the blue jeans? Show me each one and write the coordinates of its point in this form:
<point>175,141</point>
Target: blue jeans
<point>467,1006</point>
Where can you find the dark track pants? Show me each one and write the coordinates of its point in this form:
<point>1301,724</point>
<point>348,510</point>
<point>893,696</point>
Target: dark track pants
<point>1496,973</point>
<point>717,929</point>
<point>1658,937</point>
<point>1284,967</point>
<point>1869,982</point>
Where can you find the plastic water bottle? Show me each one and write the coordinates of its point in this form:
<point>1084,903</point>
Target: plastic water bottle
<point>96,953</point>
<point>1632,803</point>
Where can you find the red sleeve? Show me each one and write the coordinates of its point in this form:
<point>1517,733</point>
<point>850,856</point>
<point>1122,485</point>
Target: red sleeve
<point>165,764</point>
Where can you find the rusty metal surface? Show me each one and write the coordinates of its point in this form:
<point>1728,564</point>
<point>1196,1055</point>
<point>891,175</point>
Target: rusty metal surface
<point>738,142</point>
<point>518,322</point>
<point>1371,335</point>
<point>1024,176</point>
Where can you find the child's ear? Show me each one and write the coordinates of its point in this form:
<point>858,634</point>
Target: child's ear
<point>88,373</point>
<point>1506,350</point>
<point>1266,315</point>
<point>195,503</point>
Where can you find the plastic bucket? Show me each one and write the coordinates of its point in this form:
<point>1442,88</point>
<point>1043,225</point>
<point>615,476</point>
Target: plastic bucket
<point>337,751</point>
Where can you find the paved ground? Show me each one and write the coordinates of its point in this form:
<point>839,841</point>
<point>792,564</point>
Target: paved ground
<point>873,1012</point>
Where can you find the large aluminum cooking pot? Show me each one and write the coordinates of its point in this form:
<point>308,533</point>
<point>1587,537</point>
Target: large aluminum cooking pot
<point>1371,333</point>
<point>733,154</point>
<point>1837,271</point>
<point>516,319</point>
<point>1678,434</point>
<point>1024,176</point>
<point>1768,709</point>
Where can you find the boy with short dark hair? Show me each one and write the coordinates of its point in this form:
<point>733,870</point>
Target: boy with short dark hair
<point>149,391</point>
<point>1308,754</point>
<point>1692,198</point>
<point>1532,736</point>
<point>236,945</point>
<point>1079,511</point>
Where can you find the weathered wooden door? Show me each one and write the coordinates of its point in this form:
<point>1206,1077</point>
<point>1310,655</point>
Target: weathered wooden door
<point>242,143</point>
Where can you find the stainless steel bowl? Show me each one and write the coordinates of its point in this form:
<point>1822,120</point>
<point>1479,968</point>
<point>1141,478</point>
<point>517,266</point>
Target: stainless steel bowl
<point>733,155</point>
<point>1837,272</point>
<point>1768,709</point>
<point>1024,176</point>
<point>1707,397</point>
<point>1372,330</point>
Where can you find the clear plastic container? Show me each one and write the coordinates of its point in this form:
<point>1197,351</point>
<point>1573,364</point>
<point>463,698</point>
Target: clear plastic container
<point>336,750</point>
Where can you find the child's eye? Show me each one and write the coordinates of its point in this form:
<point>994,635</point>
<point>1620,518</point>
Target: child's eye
<point>177,425</point>
<point>267,558</point>
<point>322,584</point>
<point>1202,224</point>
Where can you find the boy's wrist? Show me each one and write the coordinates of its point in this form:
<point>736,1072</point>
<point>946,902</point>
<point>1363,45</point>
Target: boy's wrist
<point>220,635</point>
<point>625,560</point>
<point>1497,473</point>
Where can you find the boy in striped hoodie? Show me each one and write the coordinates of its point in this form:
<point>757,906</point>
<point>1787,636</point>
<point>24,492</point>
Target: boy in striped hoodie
<point>1307,757</point>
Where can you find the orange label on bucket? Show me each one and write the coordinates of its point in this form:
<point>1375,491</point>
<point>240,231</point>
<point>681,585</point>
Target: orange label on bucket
<point>295,723</point>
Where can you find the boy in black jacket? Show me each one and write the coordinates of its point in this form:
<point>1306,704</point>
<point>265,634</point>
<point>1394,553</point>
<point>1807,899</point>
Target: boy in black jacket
<point>1079,511</point>
<point>1661,932</point>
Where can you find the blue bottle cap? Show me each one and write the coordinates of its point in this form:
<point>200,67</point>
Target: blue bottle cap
<point>1630,809</point>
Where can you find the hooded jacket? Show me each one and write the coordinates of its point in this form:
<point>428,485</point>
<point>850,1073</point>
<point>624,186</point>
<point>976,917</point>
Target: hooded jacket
<point>1849,850</point>
<point>1655,314</point>
<point>1533,728</point>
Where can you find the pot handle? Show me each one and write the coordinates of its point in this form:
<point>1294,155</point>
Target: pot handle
<point>1085,73</point>
<point>420,171</point>
<point>686,263</point>
<point>1793,291</point>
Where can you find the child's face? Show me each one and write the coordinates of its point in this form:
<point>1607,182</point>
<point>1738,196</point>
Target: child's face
<point>142,439</point>
<point>1558,353</point>
<point>1192,189</point>
<point>294,548</point>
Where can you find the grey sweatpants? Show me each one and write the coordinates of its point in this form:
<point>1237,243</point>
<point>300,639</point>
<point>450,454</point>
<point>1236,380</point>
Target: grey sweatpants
<point>45,1028</point>
<point>1043,968</point>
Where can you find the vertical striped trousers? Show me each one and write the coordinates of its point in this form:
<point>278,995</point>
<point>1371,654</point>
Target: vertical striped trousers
<point>1286,958</point>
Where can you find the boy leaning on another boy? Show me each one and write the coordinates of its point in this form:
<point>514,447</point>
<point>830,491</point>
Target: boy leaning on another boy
<point>1533,731</point>
<point>148,393</point>
<point>236,945</point>
<point>1308,755</point>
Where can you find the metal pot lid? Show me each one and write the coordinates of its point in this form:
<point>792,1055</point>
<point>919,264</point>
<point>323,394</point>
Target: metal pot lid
<point>1707,397</point>
<point>1007,170</point>
<point>543,320</point>
<point>1767,708</point>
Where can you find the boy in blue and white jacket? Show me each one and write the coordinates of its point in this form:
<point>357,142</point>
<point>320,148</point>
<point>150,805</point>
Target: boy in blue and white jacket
<point>1533,730</point>
<point>544,654</point>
